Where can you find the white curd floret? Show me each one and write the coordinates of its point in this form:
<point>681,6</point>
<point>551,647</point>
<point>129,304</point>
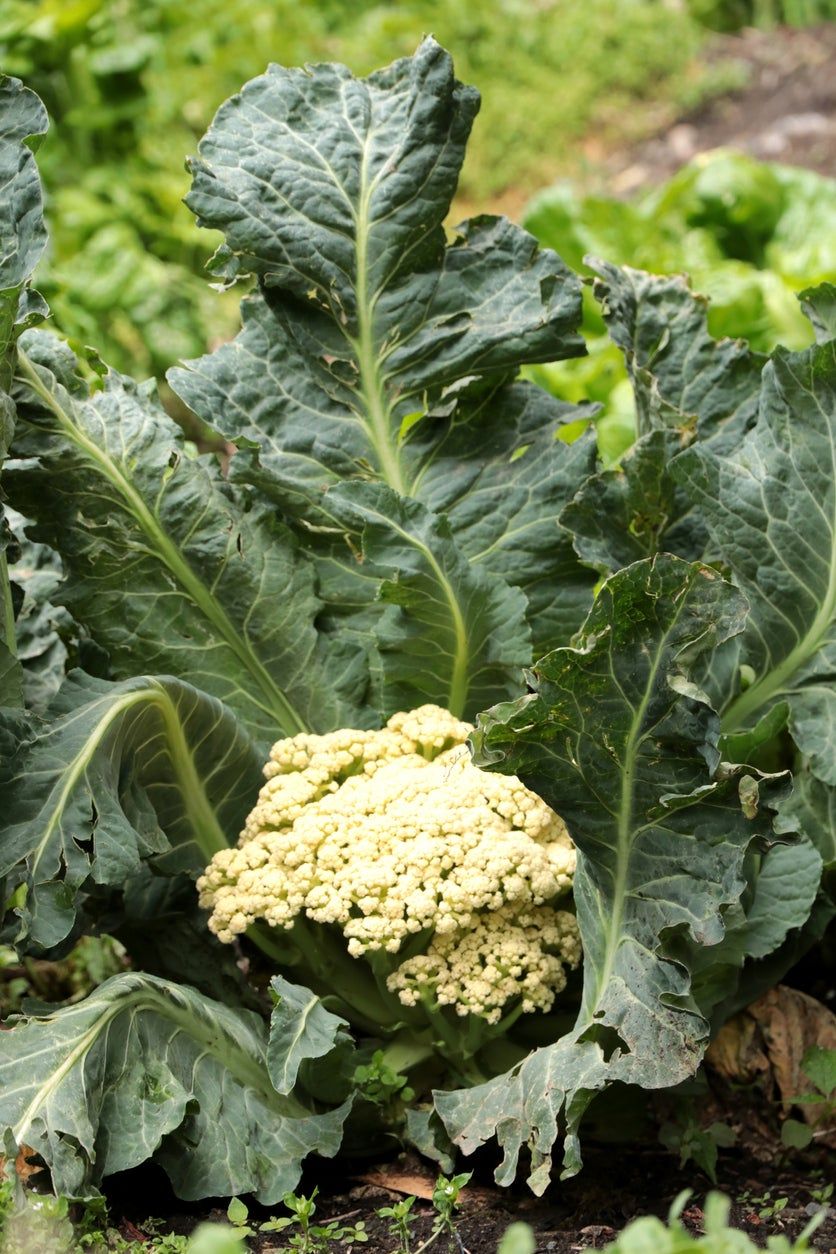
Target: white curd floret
<point>389,833</point>
<point>504,955</point>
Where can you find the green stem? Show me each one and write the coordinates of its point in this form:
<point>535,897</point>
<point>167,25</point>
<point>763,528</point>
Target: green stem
<point>203,820</point>
<point>406,1051</point>
<point>7,623</point>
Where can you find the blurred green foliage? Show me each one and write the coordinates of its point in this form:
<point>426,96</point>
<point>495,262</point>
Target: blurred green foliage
<point>132,84</point>
<point>732,15</point>
<point>93,960</point>
<point>750,235</point>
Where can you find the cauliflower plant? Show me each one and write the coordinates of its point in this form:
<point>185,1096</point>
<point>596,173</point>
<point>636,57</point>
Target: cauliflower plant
<point>394,835</point>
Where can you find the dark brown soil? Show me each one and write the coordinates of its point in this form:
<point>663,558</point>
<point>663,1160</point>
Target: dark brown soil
<point>785,109</point>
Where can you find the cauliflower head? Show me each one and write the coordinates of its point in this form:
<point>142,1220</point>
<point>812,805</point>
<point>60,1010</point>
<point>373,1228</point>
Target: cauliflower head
<point>394,833</point>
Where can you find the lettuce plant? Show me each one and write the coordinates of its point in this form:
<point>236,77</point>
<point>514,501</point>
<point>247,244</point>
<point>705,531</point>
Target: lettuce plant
<point>751,235</point>
<point>400,524</point>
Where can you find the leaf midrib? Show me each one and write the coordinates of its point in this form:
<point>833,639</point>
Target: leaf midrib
<point>458,686</point>
<point>378,426</point>
<point>280,708</point>
<point>378,411</point>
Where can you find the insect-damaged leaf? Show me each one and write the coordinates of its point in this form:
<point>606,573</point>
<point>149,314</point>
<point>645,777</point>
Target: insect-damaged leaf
<point>620,742</point>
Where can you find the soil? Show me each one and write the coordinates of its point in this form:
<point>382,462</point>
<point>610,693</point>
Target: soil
<point>617,1185</point>
<point>784,111</point>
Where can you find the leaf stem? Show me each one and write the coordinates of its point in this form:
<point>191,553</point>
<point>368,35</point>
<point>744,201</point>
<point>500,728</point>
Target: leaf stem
<point>8,617</point>
<point>203,820</point>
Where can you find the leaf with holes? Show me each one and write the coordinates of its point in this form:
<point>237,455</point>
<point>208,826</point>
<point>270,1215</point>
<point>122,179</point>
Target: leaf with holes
<point>618,738</point>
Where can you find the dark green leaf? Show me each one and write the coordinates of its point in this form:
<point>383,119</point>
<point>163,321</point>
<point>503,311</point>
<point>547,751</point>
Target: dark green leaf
<point>453,635</point>
<point>501,477</point>
<point>796,1135</point>
<point>168,567</point>
<point>23,120</point>
<point>683,378</point>
<point>41,627</point>
<point>333,190</point>
<point>811,808</point>
<point>819,304</point>
<point>783,886</point>
<point>634,510</point>
<point>770,507</point>
<point>374,348</point>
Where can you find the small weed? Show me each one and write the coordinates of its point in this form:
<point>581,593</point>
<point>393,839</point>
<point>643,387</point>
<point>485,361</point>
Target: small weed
<point>822,1195</point>
<point>401,1220</point>
<point>310,1238</point>
<point>170,1243</point>
<point>380,1084</point>
<point>683,1135</point>
<point>768,1206</point>
<point>819,1066</point>
<point>650,1234</point>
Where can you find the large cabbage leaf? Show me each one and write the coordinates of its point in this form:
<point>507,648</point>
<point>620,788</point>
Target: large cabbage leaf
<point>619,740</point>
<point>143,1068</point>
<point>166,566</point>
<point>687,386</point>
<point>333,190</point>
<point>375,349</point>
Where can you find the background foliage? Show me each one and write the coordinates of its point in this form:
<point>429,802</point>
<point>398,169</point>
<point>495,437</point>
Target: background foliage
<point>130,86</point>
<point>749,234</point>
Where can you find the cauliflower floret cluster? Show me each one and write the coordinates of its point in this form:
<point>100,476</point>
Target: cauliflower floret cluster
<point>391,833</point>
<point>504,955</point>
